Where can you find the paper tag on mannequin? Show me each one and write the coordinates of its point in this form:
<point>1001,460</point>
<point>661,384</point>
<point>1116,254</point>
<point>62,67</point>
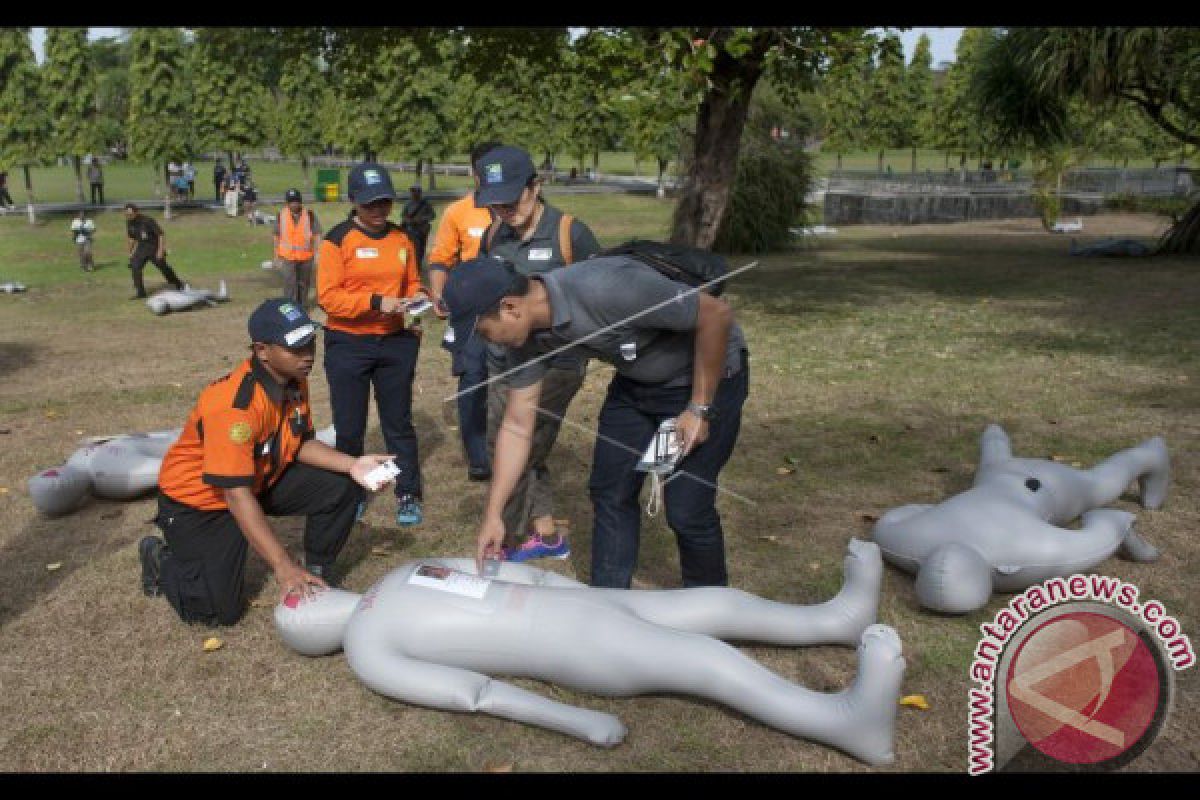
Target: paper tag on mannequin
<point>449,580</point>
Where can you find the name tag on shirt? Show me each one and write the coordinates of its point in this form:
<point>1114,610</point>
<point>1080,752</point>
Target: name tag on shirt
<point>541,254</point>
<point>475,233</point>
<point>366,252</point>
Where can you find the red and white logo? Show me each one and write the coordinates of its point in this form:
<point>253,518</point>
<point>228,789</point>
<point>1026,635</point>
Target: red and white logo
<point>1084,688</point>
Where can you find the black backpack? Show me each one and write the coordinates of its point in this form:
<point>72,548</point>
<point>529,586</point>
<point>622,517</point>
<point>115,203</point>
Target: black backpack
<point>689,265</point>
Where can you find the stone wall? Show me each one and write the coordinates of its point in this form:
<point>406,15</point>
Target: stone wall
<point>910,208</point>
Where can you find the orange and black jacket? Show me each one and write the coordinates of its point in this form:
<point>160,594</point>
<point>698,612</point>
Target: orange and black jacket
<point>244,431</point>
<point>357,270</point>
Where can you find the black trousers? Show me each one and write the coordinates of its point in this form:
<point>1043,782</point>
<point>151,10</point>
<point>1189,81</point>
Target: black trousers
<point>97,189</point>
<point>203,570</point>
<point>138,262</point>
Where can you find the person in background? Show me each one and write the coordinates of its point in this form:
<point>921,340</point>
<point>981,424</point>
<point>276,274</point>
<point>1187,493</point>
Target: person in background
<point>95,176</point>
<point>297,238</point>
<point>189,176</point>
<point>416,219</point>
<point>458,239</point>
<point>536,238</point>
<point>218,180</point>
<point>82,231</point>
<point>367,280</point>
<point>248,450</point>
<point>147,242</point>
<point>250,200</point>
<point>5,198</point>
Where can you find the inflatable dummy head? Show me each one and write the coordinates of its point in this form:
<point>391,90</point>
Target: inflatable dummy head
<point>316,625</point>
<point>59,490</point>
<point>1005,533</point>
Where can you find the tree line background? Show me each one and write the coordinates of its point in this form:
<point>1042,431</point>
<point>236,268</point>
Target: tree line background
<point>713,100</point>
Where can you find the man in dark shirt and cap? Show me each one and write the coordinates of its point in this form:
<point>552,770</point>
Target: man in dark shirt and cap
<point>678,355</point>
<point>146,243</point>
<point>418,217</point>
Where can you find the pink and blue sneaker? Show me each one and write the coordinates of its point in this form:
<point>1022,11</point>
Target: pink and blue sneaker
<point>536,547</point>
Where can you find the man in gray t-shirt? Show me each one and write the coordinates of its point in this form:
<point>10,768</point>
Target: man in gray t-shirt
<point>678,355</point>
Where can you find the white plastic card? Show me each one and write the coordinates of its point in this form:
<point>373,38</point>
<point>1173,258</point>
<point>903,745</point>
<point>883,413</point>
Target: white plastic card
<point>449,580</point>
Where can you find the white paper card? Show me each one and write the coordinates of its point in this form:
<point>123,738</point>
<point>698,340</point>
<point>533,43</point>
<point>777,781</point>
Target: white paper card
<point>445,579</point>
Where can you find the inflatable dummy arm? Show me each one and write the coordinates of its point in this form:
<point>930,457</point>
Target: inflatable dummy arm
<point>455,689</point>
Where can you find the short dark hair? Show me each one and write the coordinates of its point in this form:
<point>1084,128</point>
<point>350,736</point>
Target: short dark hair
<point>482,149</point>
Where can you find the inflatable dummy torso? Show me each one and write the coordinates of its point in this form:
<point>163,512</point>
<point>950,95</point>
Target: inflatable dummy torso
<point>433,633</point>
<point>1006,534</point>
<point>120,468</point>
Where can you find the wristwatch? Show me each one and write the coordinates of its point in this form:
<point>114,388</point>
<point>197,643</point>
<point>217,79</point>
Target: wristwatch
<point>707,413</point>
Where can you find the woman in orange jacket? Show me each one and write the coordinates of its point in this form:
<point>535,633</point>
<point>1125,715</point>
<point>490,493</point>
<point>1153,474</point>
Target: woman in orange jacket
<point>367,279</point>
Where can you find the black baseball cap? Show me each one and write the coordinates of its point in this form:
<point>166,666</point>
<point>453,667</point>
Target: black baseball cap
<point>503,173</point>
<point>370,182</point>
<point>473,288</point>
<point>293,195</point>
<point>280,321</point>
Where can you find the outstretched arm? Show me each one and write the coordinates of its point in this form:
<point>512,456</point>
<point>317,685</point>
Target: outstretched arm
<point>455,689</point>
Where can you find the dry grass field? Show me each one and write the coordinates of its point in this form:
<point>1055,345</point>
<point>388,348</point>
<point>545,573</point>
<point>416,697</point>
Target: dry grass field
<point>878,356</point>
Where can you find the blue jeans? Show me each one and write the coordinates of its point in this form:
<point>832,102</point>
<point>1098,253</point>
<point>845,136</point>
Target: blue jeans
<point>631,414</point>
<point>355,362</point>
<point>470,365</point>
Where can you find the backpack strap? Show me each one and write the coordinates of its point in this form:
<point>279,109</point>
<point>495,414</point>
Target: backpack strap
<point>564,238</point>
<point>490,236</point>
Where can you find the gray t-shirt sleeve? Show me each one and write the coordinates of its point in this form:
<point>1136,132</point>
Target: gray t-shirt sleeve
<point>529,367</point>
<point>583,241</point>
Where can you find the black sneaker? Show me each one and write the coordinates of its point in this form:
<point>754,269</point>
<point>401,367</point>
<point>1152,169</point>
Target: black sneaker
<point>483,473</point>
<point>150,551</point>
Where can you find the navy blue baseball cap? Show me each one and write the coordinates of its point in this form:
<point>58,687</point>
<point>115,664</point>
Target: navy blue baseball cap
<point>293,195</point>
<point>473,288</point>
<point>503,173</point>
<point>280,321</point>
<point>370,182</point>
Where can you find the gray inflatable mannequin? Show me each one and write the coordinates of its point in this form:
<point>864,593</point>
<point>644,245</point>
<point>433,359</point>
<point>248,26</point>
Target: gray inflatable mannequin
<point>1004,534</point>
<point>183,299</point>
<point>432,631</point>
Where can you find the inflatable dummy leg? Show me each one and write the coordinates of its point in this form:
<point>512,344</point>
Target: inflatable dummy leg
<point>1148,463</point>
<point>994,446</point>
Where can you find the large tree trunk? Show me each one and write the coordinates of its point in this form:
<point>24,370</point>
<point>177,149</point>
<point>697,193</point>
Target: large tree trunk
<point>167,196</point>
<point>719,124</point>
<point>1184,236</point>
<point>29,193</point>
<point>304,169</point>
<point>78,178</point>
<point>661,192</point>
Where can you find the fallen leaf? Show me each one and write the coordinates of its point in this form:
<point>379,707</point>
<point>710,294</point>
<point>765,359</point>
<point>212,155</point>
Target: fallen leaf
<point>79,433</point>
<point>212,644</point>
<point>51,415</point>
<point>870,518</point>
<point>768,538</point>
<point>259,604</point>
<point>3,490</point>
<point>505,768</point>
<point>792,460</point>
<point>814,566</point>
<point>177,385</point>
<point>380,551</point>
<point>784,471</point>
<point>1058,458</point>
<point>52,567</point>
<point>5,430</point>
<point>915,701</point>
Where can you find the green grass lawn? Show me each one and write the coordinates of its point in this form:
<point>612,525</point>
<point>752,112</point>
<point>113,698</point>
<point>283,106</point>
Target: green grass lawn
<point>878,356</point>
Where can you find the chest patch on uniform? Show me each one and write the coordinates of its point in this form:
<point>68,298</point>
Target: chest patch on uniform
<point>540,254</point>
<point>475,233</point>
<point>240,432</point>
<point>366,252</point>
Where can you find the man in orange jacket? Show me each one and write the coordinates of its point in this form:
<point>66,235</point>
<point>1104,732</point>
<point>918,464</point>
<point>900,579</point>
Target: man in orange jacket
<point>297,237</point>
<point>367,280</point>
<point>459,236</point>
<point>247,450</point>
